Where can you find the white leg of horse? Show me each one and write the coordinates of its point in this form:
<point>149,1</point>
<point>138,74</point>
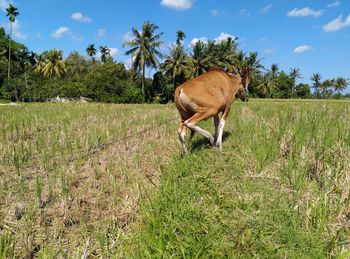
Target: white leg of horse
<point>201,131</point>
<point>220,133</point>
<point>182,137</point>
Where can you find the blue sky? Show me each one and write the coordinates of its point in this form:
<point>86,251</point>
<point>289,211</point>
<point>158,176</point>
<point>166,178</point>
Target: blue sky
<point>311,35</point>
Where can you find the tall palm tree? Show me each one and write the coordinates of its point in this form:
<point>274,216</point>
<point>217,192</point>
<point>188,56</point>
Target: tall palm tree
<point>176,63</point>
<point>340,84</point>
<point>325,86</point>
<point>91,51</point>
<point>294,74</point>
<point>51,64</point>
<point>199,60</point>
<point>105,53</point>
<point>316,78</point>
<point>180,35</point>
<point>267,87</point>
<point>249,65</point>
<point>144,49</point>
<point>226,53</point>
<point>26,60</point>
<point>11,12</point>
<point>274,71</point>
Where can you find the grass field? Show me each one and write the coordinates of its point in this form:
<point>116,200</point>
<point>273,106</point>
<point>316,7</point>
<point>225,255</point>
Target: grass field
<point>279,188</point>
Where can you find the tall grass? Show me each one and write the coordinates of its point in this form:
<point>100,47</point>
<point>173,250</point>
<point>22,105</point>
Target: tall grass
<point>279,188</point>
<point>61,196</point>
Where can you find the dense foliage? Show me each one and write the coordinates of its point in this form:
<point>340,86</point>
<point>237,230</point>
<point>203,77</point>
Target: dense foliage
<point>27,76</point>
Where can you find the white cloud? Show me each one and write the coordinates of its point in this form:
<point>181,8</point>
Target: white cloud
<point>334,4</point>
<point>268,51</point>
<point>224,36</point>
<point>195,40</point>
<point>337,24</point>
<point>20,35</point>
<point>128,62</point>
<point>60,32</point>
<point>217,12</point>
<point>114,52</point>
<point>16,27</point>
<point>16,30</point>
<point>306,11</point>
<point>244,12</point>
<point>101,33</point>
<point>177,4</point>
<point>266,9</point>
<point>80,17</point>
<point>302,49</point>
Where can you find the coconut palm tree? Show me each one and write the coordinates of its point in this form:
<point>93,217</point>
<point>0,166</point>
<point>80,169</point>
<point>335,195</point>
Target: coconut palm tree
<point>180,35</point>
<point>105,53</point>
<point>340,84</point>
<point>11,12</point>
<point>199,60</point>
<point>325,86</point>
<point>294,74</point>
<point>267,87</point>
<point>91,51</point>
<point>176,63</point>
<point>316,78</point>
<point>51,64</point>
<point>274,71</point>
<point>249,65</point>
<point>144,49</point>
<point>226,53</point>
<point>26,60</point>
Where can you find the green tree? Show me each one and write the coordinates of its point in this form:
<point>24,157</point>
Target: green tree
<point>247,66</point>
<point>284,85</point>
<point>11,12</point>
<point>180,35</point>
<point>340,84</point>
<point>274,71</point>
<point>267,86</point>
<point>144,49</point>
<point>199,60</point>
<point>294,74</point>
<point>105,53</point>
<point>76,65</point>
<point>226,53</point>
<point>51,64</point>
<point>316,78</point>
<point>303,91</point>
<point>27,61</point>
<point>175,64</point>
<point>326,87</point>
<point>91,51</point>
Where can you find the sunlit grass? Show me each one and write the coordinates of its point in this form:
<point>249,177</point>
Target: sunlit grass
<point>59,194</point>
<point>279,188</point>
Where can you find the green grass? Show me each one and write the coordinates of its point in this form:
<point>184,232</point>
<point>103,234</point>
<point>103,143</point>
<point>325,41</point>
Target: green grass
<point>279,188</point>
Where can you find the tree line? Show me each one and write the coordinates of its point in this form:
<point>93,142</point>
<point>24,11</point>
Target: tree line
<point>29,76</point>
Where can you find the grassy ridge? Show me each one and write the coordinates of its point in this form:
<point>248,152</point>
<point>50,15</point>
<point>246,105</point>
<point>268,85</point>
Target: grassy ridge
<point>280,188</point>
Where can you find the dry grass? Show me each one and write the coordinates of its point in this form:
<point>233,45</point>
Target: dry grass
<point>57,204</point>
<point>279,188</point>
